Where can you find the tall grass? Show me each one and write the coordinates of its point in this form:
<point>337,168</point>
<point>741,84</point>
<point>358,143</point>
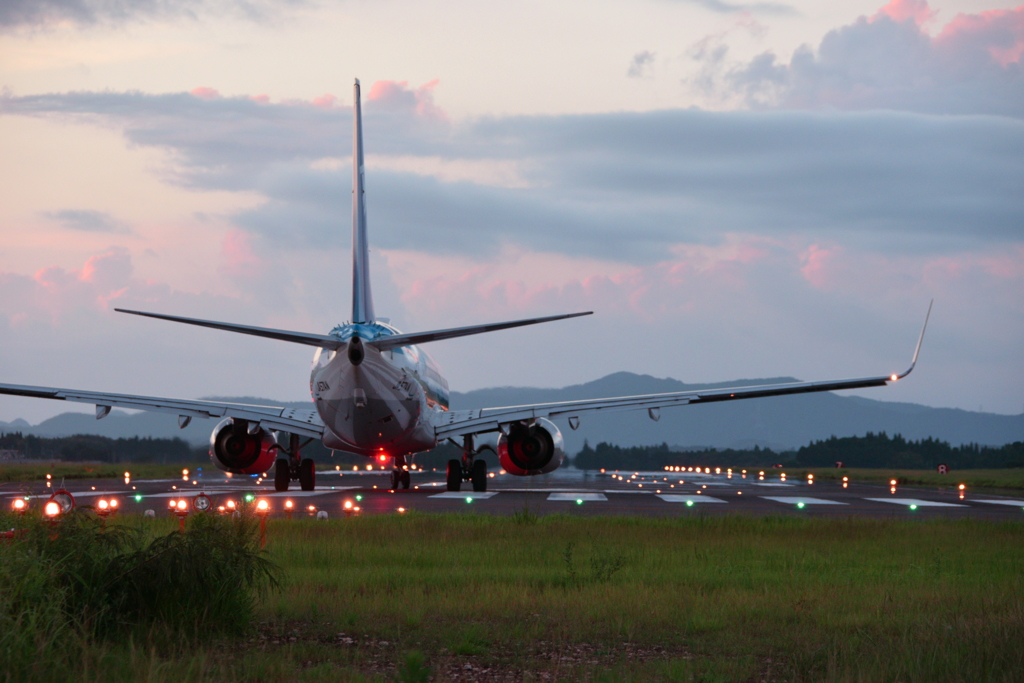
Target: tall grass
<point>77,593</point>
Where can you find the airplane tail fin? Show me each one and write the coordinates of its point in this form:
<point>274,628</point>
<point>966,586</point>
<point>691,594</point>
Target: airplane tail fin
<point>362,299</point>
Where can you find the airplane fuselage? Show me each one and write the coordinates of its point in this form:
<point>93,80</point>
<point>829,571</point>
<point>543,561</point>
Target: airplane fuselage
<point>384,404</point>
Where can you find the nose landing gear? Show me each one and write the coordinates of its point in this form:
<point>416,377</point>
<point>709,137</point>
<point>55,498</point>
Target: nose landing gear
<point>468,469</point>
<point>287,470</point>
<point>400,475</point>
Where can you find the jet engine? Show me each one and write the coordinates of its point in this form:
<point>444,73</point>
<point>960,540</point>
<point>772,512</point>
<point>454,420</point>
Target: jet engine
<point>234,449</point>
<point>534,448</point>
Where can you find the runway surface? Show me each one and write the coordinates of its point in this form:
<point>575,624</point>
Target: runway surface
<point>654,494</point>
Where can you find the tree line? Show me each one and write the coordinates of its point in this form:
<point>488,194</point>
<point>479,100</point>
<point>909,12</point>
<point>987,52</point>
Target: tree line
<point>871,450</point>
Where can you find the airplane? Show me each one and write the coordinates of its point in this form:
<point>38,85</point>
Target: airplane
<point>376,393</point>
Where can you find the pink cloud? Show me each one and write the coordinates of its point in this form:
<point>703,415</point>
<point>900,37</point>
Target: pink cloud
<point>819,265</point>
<point>1000,33</point>
<point>903,10</point>
<point>398,95</point>
<point>205,93</point>
<point>262,99</point>
<point>325,101</point>
<point>239,259</point>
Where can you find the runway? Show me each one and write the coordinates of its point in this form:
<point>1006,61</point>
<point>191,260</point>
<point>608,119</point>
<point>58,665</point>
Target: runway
<point>653,494</point>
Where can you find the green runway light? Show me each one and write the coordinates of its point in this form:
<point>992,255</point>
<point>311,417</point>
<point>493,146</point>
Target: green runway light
<point>469,500</point>
<point>138,499</point>
<point>800,505</point>
<point>359,497</point>
<point>249,498</point>
<point>689,503</point>
<point>579,501</point>
<point>913,507</point>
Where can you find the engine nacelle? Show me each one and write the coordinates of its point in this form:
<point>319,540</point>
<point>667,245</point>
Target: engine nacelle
<point>234,449</point>
<point>537,448</point>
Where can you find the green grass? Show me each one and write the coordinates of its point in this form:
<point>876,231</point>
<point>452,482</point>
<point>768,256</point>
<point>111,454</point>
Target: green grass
<point>973,479</point>
<point>421,597</point>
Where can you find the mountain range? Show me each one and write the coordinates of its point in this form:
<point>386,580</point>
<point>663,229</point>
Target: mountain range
<point>780,423</point>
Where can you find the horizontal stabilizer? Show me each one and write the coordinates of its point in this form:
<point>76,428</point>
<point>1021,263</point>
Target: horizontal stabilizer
<point>320,340</point>
<point>385,343</point>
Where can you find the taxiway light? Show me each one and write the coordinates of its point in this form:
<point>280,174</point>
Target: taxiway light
<point>961,487</point>
<point>52,509</point>
<point>579,501</point>
<point>337,468</point>
<point>182,505</point>
<point>369,468</point>
<point>469,499</point>
<point>502,472</point>
<point>230,504</point>
<point>138,499</point>
<point>892,482</point>
<point>49,476</point>
<point>491,475</point>
<point>359,498</point>
<point>102,504</point>
<point>689,503</point>
<point>262,507</point>
<point>348,505</point>
<point>20,505</point>
<point>184,473</point>
<point>800,505</point>
<point>739,493</point>
<point>288,505</point>
<point>401,510</point>
<point>913,506</point>
<point>249,498</point>
<point>355,468</point>
<point>311,508</point>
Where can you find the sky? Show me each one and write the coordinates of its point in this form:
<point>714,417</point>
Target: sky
<point>736,189</point>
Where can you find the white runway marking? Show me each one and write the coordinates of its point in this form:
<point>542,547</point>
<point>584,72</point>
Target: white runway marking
<point>1005,501</point>
<point>573,497</point>
<point>796,500</point>
<point>765,483</point>
<point>915,501</point>
<point>475,495</point>
<point>304,494</point>
<point>679,498</point>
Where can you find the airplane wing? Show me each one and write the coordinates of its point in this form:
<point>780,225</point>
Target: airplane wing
<point>296,421</point>
<point>462,422</point>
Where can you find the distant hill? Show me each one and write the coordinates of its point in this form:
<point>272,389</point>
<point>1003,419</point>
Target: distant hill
<point>779,423</point>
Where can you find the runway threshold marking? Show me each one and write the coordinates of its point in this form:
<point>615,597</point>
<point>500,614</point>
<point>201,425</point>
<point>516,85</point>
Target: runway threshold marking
<point>796,500</point>
<point>680,498</point>
<point>475,495</point>
<point>917,502</point>
<point>1005,501</point>
<point>573,497</point>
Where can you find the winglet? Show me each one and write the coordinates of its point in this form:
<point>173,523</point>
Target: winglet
<point>920,339</point>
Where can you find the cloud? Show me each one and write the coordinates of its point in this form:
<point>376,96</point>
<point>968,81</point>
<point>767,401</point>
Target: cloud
<point>88,221</point>
<point>889,61</point>
<point>82,13</point>
<point>622,185</point>
<point>640,64</point>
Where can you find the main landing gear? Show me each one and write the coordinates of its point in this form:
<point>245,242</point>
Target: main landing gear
<point>468,469</point>
<point>400,475</point>
<point>294,467</point>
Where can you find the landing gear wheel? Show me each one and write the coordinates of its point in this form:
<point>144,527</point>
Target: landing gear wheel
<point>479,475</point>
<point>282,475</point>
<point>406,479</point>
<point>454,477</point>
<point>307,474</point>
<point>396,476</point>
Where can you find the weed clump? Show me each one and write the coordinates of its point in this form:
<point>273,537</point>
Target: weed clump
<point>73,588</point>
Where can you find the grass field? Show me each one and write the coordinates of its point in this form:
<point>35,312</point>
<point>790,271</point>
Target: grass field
<point>974,479</point>
<point>468,597</point>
